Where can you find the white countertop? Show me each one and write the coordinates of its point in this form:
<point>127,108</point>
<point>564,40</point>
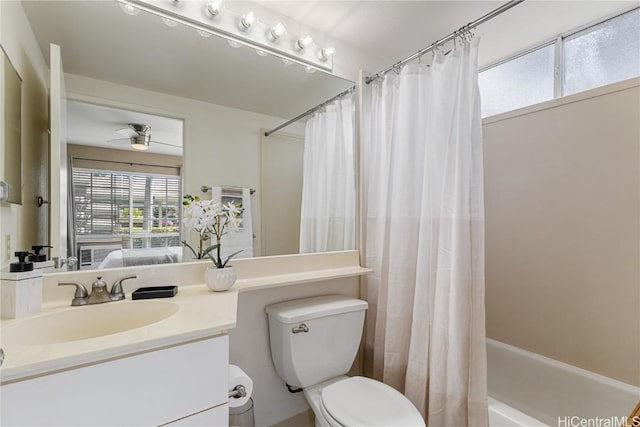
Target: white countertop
<point>201,314</point>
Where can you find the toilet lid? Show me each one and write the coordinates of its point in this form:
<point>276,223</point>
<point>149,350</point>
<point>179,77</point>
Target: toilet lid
<point>359,401</point>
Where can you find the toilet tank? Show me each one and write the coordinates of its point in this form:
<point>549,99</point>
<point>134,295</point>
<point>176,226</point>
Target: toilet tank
<point>328,347</point>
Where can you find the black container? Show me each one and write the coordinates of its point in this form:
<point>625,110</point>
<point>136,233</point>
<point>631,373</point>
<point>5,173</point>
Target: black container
<point>155,292</point>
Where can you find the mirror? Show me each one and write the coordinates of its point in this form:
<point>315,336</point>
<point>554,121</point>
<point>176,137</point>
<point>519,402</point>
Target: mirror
<point>225,97</point>
<point>11,126</point>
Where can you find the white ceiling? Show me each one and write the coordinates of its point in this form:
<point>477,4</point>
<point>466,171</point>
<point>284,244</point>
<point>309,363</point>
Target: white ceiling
<point>98,40</point>
<point>393,30</point>
<point>96,125</point>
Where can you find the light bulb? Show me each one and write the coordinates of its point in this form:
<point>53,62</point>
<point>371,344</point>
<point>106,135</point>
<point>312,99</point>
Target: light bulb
<point>277,31</point>
<point>303,42</point>
<point>129,9</point>
<point>204,33</point>
<point>169,22</point>
<point>261,52</point>
<point>327,52</point>
<point>247,21</point>
<point>309,69</point>
<point>234,44</point>
<point>286,62</point>
<point>214,8</point>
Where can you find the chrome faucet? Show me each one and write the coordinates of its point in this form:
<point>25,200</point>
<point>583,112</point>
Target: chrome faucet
<point>117,293</point>
<point>81,297</point>
<point>99,293</point>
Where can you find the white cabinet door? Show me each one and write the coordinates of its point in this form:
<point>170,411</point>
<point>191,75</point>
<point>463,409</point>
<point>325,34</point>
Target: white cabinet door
<point>214,417</point>
<point>152,388</point>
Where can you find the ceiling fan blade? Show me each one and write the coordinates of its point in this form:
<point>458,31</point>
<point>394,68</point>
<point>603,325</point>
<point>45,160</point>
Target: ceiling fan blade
<point>165,143</point>
<point>119,140</point>
<point>127,132</point>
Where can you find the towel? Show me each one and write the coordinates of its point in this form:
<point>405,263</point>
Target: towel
<point>243,238</point>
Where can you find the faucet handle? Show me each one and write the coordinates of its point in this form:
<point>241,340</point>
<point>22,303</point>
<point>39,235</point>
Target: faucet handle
<point>81,295</point>
<point>117,293</point>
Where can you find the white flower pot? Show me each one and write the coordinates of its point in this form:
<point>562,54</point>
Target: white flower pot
<point>220,279</point>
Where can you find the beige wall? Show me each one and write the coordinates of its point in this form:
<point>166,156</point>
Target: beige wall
<point>562,196</point>
<point>25,224</point>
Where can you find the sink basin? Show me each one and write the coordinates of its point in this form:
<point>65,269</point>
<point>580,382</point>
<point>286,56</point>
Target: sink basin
<point>86,322</point>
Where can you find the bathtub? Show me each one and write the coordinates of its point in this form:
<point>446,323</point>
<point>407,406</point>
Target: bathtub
<point>527,389</point>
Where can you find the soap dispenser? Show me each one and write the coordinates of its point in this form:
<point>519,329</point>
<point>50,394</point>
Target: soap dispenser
<point>20,289</point>
<point>21,266</point>
<point>40,260</point>
<point>36,256</point>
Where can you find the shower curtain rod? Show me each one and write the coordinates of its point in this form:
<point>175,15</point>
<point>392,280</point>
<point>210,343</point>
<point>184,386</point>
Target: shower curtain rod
<point>311,111</point>
<point>465,28</point>
<point>471,25</point>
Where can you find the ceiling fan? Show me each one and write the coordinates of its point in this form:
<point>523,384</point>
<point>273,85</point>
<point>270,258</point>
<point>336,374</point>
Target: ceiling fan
<point>139,135</point>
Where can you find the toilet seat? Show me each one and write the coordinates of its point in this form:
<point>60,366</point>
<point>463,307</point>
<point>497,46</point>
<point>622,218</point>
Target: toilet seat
<point>360,401</point>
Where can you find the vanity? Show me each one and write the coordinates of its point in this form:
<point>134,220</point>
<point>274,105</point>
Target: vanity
<point>142,362</point>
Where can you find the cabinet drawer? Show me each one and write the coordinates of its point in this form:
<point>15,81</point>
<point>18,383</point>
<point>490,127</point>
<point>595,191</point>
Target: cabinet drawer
<point>218,417</point>
<point>147,389</point>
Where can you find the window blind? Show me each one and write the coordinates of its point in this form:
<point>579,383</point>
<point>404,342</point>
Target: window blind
<point>144,209</point>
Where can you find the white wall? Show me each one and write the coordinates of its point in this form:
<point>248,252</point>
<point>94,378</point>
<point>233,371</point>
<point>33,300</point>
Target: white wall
<point>222,145</point>
<point>26,224</point>
<point>562,204</point>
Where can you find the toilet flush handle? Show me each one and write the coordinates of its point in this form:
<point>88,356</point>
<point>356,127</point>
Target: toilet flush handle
<point>301,328</point>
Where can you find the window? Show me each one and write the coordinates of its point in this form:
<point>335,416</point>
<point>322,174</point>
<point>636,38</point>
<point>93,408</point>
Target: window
<point>601,54</point>
<point>605,53</point>
<point>522,81</point>
<point>143,209</point>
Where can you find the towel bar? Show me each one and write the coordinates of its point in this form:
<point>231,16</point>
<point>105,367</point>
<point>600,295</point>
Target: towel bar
<point>206,188</point>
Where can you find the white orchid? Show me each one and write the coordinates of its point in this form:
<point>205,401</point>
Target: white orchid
<point>209,218</point>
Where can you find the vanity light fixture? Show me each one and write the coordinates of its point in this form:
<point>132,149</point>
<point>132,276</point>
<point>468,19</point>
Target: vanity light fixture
<point>238,29</point>
<point>327,52</point>
<point>277,31</point>
<point>129,9</point>
<point>303,42</point>
<point>247,20</point>
<point>214,8</point>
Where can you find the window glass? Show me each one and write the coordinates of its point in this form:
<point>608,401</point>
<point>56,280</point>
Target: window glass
<point>522,81</point>
<point>605,53</point>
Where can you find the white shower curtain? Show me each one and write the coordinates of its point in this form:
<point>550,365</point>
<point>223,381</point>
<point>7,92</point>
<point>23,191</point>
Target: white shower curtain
<point>327,219</point>
<point>425,238</point>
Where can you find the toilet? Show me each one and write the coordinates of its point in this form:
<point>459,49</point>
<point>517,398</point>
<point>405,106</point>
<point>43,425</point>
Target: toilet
<point>314,342</point>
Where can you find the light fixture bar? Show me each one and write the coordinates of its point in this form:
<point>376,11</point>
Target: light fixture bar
<point>226,25</point>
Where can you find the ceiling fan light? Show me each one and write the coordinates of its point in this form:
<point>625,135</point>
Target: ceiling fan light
<point>140,142</point>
